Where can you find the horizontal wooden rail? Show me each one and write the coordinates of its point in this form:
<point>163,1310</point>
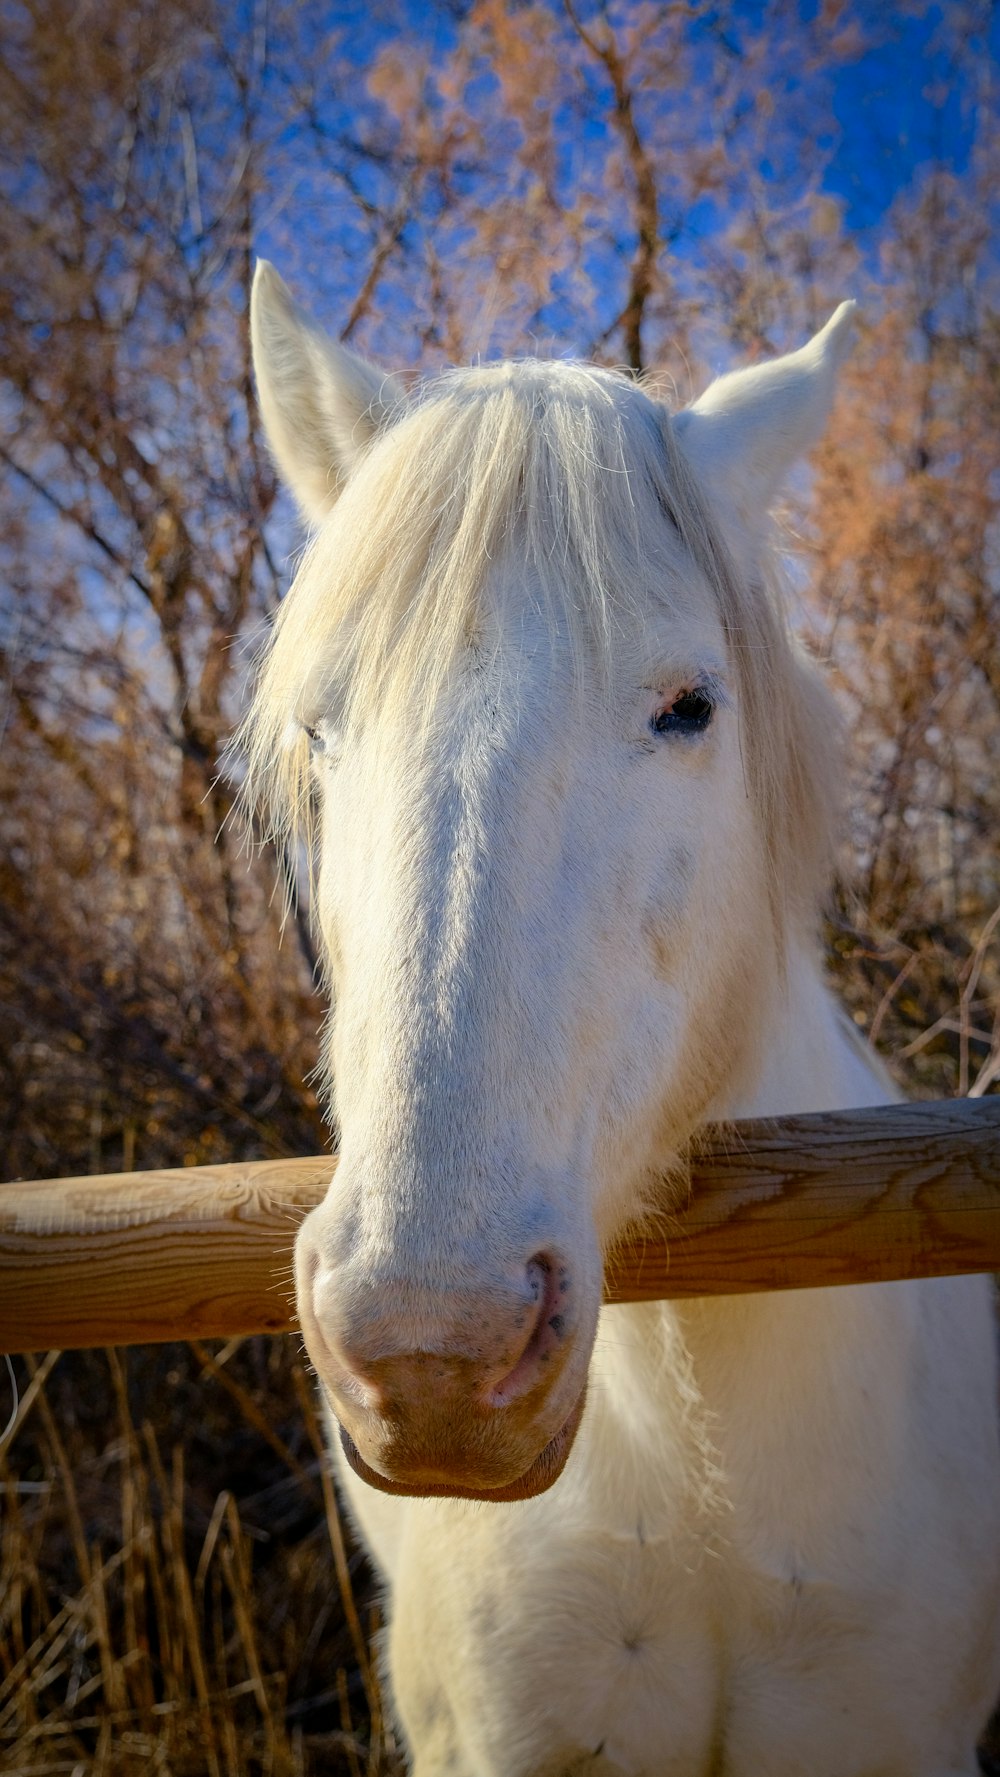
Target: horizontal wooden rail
<point>860,1196</point>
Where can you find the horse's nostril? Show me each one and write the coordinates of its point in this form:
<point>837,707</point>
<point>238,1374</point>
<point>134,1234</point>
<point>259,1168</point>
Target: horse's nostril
<point>547,1331</point>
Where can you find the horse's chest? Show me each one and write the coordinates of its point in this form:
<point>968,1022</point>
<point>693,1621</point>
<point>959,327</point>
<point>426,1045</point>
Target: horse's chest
<point>604,1655</point>
<point>569,1663</point>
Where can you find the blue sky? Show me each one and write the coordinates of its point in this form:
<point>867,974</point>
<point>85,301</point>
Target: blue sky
<point>900,108</point>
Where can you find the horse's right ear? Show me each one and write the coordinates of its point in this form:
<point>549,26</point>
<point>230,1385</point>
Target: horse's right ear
<point>320,404</point>
<point>750,427</point>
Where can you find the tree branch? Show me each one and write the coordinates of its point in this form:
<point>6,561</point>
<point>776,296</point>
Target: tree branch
<point>647,218</point>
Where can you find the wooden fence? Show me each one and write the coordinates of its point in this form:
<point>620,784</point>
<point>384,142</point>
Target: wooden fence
<point>839,1197</point>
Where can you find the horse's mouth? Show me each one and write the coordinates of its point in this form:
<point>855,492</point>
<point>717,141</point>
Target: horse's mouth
<point>537,1478</point>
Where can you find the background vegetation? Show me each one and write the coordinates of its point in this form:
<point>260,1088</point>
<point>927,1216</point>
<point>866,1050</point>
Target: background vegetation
<point>666,186</point>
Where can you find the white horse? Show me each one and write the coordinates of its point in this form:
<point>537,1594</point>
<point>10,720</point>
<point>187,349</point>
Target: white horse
<point>573,784</point>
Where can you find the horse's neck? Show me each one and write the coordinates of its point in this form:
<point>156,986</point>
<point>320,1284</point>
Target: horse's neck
<point>812,1058</point>
<point>792,1358</point>
<point>753,1367</point>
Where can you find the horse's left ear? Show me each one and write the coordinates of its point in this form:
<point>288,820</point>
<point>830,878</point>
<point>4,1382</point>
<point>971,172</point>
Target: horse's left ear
<point>320,404</point>
<point>744,434</point>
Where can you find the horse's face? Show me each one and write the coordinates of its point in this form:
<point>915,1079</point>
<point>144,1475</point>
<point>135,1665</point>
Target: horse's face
<point>537,972</point>
<point>544,910</point>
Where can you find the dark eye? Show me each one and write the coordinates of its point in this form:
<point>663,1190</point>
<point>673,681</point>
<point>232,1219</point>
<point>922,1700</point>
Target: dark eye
<point>688,713</point>
<point>321,740</point>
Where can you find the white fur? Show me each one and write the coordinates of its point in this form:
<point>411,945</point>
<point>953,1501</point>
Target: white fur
<point>321,405</point>
<point>750,427</point>
<point>557,943</point>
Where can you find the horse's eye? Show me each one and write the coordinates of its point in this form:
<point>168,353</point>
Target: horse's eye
<point>317,739</point>
<point>688,713</point>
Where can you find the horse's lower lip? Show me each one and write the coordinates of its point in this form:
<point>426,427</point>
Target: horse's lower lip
<point>537,1478</point>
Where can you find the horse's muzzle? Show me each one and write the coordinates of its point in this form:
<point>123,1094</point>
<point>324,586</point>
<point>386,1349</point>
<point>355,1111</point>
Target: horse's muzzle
<point>473,1390</point>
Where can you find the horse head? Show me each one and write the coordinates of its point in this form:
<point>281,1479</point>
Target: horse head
<point>568,781</point>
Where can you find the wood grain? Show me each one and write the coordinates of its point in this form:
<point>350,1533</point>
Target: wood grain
<point>860,1196</point>
<point>793,1202</point>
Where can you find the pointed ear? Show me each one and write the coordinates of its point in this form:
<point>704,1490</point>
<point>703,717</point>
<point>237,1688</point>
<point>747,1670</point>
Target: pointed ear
<point>320,405</point>
<point>748,429</point>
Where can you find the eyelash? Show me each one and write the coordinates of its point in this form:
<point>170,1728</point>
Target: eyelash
<point>324,743</point>
<point>693,718</point>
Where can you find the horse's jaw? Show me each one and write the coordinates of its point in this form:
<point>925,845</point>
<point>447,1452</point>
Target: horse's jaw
<point>542,1473</point>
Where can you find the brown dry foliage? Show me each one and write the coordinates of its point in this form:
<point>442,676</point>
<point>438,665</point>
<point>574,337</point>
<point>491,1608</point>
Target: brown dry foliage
<point>177,1593</point>
<point>549,173</point>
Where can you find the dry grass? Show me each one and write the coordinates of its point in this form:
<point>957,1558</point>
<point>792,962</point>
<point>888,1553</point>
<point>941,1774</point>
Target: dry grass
<point>177,1592</point>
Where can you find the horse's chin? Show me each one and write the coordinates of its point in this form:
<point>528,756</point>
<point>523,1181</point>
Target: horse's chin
<point>538,1478</point>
